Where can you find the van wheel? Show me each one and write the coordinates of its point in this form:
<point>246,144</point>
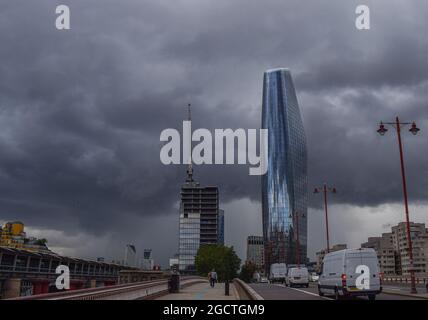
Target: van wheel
<point>320,292</point>
<point>372,297</point>
<point>336,294</point>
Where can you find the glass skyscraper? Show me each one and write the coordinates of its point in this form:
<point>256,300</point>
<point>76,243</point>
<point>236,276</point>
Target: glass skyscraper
<point>285,185</point>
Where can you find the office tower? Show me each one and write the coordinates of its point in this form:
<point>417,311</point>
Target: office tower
<point>221,227</point>
<point>284,186</point>
<point>130,253</point>
<point>255,251</point>
<point>199,220</point>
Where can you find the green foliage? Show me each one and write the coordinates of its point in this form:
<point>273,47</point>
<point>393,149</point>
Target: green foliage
<point>221,258</point>
<point>41,242</point>
<point>247,272</point>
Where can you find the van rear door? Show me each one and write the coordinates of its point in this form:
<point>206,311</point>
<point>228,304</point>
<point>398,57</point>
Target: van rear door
<point>357,263</point>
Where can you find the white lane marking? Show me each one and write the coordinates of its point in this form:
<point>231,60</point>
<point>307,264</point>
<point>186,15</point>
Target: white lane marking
<point>300,290</point>
<point>395,289</point>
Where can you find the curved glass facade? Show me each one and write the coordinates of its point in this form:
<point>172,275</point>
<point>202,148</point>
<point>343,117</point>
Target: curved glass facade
<point>285,185</point>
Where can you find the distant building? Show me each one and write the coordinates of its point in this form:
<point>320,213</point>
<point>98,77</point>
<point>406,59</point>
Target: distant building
<point>221,227</point>
<point>419,235</point>
<point>130,254</point>
<point>393,249</point>
<point>100,259</point>
<point>385,252</point>
<point>147,262</point>
<point>320,255</point>
<point>255,251</point>
<point>174,262</point>
<point>12,235</point>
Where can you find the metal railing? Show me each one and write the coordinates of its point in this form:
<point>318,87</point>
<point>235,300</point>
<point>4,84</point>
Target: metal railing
<point>140,290</point>
<point>404,279</point>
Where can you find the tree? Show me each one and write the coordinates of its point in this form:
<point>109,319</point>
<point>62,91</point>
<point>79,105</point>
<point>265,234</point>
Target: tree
<point>247,271</point>
<point>221,258</point>
<point>41,242</point>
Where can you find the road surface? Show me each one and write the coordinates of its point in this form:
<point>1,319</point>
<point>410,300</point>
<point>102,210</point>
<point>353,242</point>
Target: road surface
<point>280,292</point>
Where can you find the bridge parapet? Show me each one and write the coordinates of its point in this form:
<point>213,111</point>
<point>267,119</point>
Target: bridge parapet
<point>245,291</point>
<point>24,272</point>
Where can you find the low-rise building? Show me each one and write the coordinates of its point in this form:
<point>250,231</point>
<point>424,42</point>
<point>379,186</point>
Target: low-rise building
<point>393,249</point>
<point>385,252</point>
<point>419,236</point>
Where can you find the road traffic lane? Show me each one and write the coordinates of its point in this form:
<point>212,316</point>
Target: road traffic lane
<point>279,292</point>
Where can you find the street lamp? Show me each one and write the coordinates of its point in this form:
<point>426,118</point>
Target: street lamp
<point>326,189</point>
<point>295,217</point>
<point>414,130</point>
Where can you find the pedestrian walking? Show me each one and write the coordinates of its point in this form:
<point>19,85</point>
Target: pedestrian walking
<point>213,278</point>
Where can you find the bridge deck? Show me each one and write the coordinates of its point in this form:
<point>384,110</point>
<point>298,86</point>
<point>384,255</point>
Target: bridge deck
<point>203,291</point>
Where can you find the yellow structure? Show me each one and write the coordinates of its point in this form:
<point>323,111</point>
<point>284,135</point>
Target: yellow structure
<point>12,235</point>
<point>16,228</point>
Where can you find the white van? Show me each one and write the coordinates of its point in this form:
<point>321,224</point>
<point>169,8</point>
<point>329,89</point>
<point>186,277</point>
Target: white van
<point>278,272</point>
<point>350,272</point>
<point>298,276</point>
<point>256,277</point>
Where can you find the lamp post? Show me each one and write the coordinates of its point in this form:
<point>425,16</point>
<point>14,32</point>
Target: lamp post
<point>295,217</point>
<point>325,189</point>
<point>414,130</point>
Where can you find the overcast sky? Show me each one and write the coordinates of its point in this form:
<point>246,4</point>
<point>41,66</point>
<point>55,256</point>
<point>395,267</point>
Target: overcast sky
<point>81,112</point>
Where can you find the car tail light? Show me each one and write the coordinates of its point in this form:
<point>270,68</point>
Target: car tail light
<point>343,280</point>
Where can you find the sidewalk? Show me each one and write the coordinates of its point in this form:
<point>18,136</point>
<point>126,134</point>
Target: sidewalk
<point>405,291</point>
<point>202,291</point>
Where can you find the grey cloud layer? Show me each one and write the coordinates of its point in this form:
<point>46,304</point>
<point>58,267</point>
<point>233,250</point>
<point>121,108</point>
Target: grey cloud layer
<point>81,111</point>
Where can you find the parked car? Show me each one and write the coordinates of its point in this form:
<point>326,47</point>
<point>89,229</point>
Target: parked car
<point>264,280</point>
<point>350,272</point>
<point>313,277</point>
<point>278,272</point>
<point>297,276</point>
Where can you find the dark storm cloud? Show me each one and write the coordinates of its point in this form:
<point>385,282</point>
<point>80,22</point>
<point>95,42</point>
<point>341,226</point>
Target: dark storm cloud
<point>81,110</point>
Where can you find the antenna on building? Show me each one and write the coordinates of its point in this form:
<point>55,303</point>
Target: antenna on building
<point>190,168</point>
